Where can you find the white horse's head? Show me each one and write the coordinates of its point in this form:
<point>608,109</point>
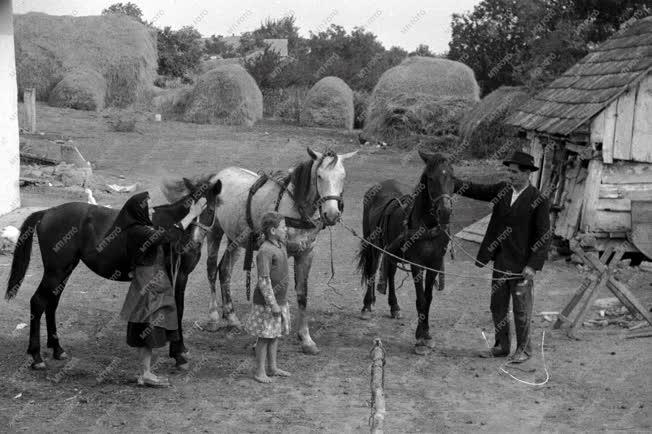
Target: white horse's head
<point>328,174</point>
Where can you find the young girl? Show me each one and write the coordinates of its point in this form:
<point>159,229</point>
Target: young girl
<point>270,313</point>
<point>150,307</point>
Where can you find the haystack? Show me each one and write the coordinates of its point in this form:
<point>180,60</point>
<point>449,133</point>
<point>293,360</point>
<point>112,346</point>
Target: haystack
<point>118,48</point>
<point>421,96</point>
<point>482,129</point>
<point>225,95</point>
<point>329,104</point>
<point>81,90</point>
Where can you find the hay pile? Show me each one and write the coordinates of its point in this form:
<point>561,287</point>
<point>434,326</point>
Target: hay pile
<point>483,128</point>
<point>329,104</point>
<point>421,96</point>
<point>225,95</point>
<point>78,50</point>
<point>81,90</point>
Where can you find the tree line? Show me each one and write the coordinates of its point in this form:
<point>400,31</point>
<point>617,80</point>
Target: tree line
<point>505,42</point>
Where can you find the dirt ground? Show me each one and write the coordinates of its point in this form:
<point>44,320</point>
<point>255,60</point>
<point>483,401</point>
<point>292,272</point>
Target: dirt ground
<point>600,383</point>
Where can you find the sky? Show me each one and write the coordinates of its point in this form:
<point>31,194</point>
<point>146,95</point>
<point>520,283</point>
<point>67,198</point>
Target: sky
<point>403,23</point>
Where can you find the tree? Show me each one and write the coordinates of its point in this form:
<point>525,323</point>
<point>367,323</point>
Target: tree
<point>216,45</point>
<point>531,42</point>
<point>129,9</point>
<point>266,69</point>
<point>179,51</point>
<point>422,50</point>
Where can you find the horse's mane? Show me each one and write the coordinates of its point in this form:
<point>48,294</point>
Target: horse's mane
<point>174,189</point>
<point>301,177</point>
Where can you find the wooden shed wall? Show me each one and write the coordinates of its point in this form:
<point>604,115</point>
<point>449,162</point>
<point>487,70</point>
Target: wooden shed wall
<point>624,127</point>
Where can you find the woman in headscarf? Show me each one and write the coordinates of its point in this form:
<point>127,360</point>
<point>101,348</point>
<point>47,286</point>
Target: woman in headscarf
<point>150,307</point>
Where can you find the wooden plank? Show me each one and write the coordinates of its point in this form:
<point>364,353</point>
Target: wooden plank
<point>608,132</point>
<point>641,235</point>
<point>614,205</point>
<point>641,147</point>
<point>571,202</point>
<point>624,126</point>
<point>536,150</point>
<point>625,172</point>
<point>29,99</point>
<point>611,221</point>
<point>616,286</point>
<point>585,152</point>
<point>602,244</point>
<point>626,191</point>
<point>642,211</point>
<point>591,193</point>
<point>546,165</point>
<point>597,129</point>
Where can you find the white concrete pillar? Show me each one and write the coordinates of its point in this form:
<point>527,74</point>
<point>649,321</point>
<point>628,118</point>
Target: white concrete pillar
<point>9,154</point>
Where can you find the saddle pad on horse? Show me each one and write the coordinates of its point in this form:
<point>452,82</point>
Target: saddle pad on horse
<point>380,213</point>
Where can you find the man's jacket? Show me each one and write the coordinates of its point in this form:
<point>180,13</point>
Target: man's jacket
<point>517,235</point>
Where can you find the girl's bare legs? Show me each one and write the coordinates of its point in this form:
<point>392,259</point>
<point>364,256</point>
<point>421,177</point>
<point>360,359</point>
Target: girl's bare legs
<point>261,353</point>
<point>272,349</point>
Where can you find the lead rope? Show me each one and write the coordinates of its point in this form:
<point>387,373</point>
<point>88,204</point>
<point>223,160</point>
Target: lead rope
<point>516,276</point>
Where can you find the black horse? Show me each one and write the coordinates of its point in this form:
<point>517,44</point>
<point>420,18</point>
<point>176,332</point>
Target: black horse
<point>77,231</point>
<point>413,227</point>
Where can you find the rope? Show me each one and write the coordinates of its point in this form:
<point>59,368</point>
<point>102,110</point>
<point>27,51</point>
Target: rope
<point>355,234</point>
<point>471,256</point>
<point>543,358</point>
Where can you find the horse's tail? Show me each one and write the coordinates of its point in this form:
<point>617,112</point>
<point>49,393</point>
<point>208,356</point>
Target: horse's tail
<point>22,253</point>
<point>367,261</point>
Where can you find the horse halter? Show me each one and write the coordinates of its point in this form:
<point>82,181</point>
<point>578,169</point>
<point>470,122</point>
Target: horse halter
<point>202,226</point>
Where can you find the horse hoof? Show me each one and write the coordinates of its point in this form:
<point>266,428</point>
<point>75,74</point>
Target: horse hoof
<point>60,355</point>
<point>396,314</point>
<point>183,366</point>
<point>38,366</point>
<point>310,349</point>
<point>421,349</point>
<point>365,314</point>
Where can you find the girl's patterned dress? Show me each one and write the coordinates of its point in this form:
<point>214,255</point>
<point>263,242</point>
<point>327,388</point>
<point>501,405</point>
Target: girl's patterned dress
<point>272,262</point>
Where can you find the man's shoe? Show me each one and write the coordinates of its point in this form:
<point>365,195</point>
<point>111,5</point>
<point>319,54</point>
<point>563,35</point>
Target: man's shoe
<point>519,356</point>
<point>494,352</point>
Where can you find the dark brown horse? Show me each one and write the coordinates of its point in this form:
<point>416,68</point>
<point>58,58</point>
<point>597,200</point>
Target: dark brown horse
<point>413,227</point>
<point>77,231</point>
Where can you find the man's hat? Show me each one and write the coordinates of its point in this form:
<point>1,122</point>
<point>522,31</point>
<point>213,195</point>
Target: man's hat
<point>523,159</point>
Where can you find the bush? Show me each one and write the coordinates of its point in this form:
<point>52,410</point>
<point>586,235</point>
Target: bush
<point>360,104</point>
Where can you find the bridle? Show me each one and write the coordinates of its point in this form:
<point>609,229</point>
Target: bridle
<point>323,199</point>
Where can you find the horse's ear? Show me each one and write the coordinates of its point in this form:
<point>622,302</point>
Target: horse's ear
<point>347,155</point>
<point>425,157</point>
<point>189,185</point>
<point>313,154</point>
<point>217,187</point>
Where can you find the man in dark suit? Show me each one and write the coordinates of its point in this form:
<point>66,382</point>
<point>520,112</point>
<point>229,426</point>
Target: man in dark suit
<point>517,240</point>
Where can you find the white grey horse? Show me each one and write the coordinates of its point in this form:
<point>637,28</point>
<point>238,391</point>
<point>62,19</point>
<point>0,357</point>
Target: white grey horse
<point>309,192</point>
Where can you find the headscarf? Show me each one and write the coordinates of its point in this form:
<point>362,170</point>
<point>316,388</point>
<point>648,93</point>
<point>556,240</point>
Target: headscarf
<point>134,224</point>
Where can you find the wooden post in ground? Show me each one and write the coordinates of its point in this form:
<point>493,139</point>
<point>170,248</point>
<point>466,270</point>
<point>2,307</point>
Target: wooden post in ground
<point>29,100</point>
<point>377,419</point>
